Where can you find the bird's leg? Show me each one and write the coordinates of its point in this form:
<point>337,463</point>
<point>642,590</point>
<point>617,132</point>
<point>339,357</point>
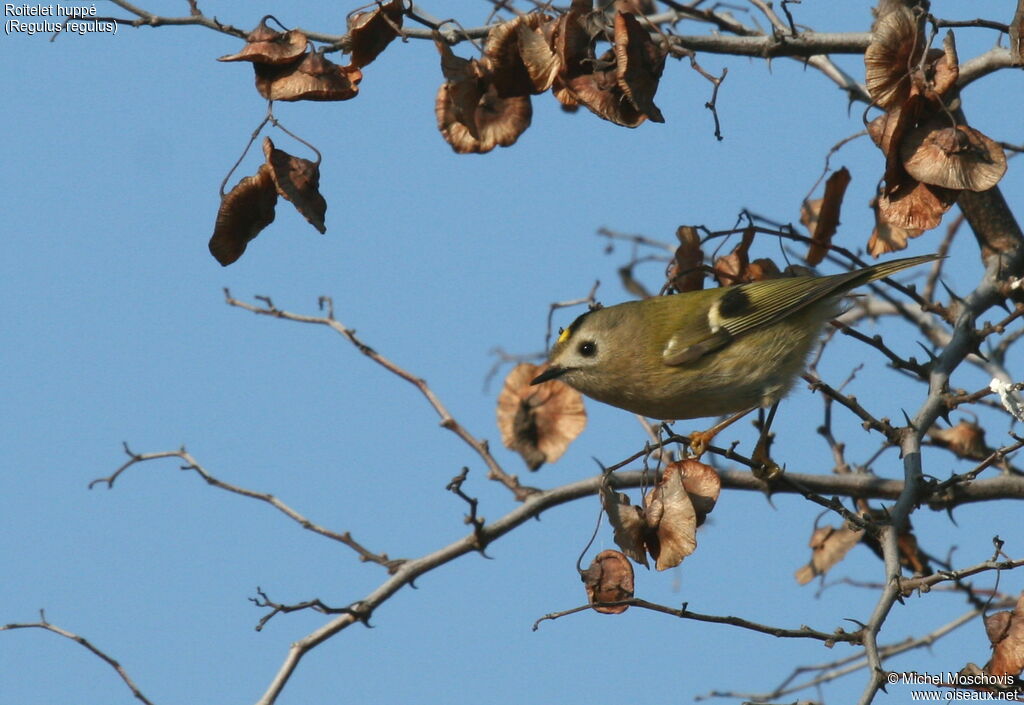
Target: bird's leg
<point>700,440</point>
<point>766,469</point>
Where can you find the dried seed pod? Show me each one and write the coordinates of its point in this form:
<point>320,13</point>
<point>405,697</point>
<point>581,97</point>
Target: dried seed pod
<point>609,579</point>
<point>601,94</point>
<point>686,272</point>
<point>671,520</point>
<point>572,40</point>
<point>538,421</point>
<point>313,78</point>
<point>371,32</point>
<point>471,116</point>
<point>298,180</point>
<point>244,212</point>
<point>1007,637</point>
<point>504,56</point>
<point>639,62</point>
<point>540,60</point>
<point>916,206</point>
<point>628,524</point>
<point>828,547</point>
<point>702,484</point>
<point>897,43</point>
<point>267,46</point>
<point>953,157</point>
<point>887,237</point>
<point>826,216</point>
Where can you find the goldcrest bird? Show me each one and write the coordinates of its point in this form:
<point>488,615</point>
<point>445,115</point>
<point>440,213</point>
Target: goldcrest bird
<point>704,353</point>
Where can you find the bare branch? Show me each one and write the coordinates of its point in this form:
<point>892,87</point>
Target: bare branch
<point>43,624</point>
<point>804,632</point>
<point>495,471</point>
<point>923,583</point>
<point>838,668</point>
<point>192,464</point>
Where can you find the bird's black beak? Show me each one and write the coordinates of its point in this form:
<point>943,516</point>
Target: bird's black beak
<point>553,372</point>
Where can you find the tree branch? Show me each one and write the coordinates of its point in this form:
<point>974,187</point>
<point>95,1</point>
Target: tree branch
<point>43,624</point>
<point>495,471</point>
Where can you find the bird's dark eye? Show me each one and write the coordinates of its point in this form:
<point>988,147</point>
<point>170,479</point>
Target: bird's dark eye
<point>588,348</point>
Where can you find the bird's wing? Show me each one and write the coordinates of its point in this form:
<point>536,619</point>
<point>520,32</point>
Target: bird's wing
<point>750,307</point>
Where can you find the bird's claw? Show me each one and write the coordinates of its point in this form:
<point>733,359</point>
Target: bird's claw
<point>699,442</point>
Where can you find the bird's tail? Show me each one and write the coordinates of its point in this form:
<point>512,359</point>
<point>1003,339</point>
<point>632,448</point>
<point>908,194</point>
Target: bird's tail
<point>884,269</point>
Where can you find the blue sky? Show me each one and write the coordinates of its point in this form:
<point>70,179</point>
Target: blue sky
<point>115,330</point>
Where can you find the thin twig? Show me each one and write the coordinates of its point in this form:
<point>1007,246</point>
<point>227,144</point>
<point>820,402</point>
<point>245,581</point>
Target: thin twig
<point>192,464</point>
<point>495,471</point>
<point>830,638</point>
<point>43,624</point>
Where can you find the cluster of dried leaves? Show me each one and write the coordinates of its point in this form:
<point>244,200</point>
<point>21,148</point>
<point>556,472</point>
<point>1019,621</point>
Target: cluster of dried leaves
<point>286,68</point>
<point>665,526</point>
<point>485,102</point>
<point>931,156</point>
<point>249,206</point>
<point>687,271</point>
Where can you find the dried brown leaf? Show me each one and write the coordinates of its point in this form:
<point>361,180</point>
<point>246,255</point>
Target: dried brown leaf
<point>702,484</point>
<point>886,237</point>
<point>243,213</point>
<point>916,206</point>
<point>911,555</point>
<point>471,116</point>
<point>600,93</point>
<point>609,579</point>
<point>371,32</point>
<point>631,284</point>
<point>1008,650</point>
<point>313,78</point>
<point>298,180</point>
<point>686,271</point>
<point>639,62</point>
<point>671,520</point>
<point>736,267</point>
<point>828,546</point>
<point>953,157</point>
<point>540,60</point>
<point>627,522</point>
<point>896,46</point>
<point>267,46</point>
<point>538,421</point>
<point>572,40</point>
<point>809,211</point>
<point>828,216</point>
<point>966,439</point>
<point>504,56</point>
<point>945,70</point>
